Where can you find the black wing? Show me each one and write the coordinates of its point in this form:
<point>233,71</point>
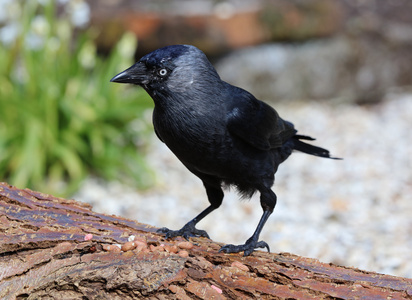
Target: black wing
<point>255,122</point>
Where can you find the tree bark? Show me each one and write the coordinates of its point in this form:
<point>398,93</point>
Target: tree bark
<point>53,248</point>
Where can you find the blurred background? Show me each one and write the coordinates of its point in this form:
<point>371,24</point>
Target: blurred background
<point>339,70</point>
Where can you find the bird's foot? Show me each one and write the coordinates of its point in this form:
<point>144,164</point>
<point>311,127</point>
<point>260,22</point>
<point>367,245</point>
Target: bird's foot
<point>189,230</point>
<point>247,247</point>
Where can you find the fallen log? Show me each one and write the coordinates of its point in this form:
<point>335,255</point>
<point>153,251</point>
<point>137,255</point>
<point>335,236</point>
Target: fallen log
<point>60,249</point>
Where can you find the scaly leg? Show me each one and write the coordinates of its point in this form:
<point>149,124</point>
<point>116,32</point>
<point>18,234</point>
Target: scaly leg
<point>215,196</point>
<point>268,201</point>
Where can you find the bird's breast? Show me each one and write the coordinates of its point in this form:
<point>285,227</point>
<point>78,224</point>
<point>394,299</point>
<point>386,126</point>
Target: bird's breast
<point>196,139</point>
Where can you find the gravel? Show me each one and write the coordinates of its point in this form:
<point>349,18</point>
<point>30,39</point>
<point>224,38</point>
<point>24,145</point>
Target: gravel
<point>356,212</point>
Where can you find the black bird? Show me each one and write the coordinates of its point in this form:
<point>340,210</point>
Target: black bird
<point>220,132</point>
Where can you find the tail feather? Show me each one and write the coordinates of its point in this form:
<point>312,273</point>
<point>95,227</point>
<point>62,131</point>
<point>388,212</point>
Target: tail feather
<point>303,137</point>
<point>310,149</point>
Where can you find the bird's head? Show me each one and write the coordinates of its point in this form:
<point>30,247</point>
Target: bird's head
<point>169,70</point>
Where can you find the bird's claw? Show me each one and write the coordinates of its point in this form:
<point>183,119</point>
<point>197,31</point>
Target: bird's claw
<point>247,247</point>
<point>187,231</point>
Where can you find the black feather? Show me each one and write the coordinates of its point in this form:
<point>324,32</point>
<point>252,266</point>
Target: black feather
<point>310,149</point>
<point>221,133</point>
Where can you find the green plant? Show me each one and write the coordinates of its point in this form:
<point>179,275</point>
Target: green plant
<point>60,118</point>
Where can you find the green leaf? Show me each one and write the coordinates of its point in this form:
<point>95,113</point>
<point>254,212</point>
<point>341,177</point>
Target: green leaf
<point>60,117</point>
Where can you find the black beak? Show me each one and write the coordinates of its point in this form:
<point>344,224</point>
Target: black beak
<point>136,74</point>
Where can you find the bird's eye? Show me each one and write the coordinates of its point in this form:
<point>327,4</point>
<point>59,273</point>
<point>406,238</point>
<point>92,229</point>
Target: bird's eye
<point>162,72</point>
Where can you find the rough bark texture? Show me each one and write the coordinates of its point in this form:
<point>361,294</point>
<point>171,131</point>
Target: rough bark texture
<point>52,248</point>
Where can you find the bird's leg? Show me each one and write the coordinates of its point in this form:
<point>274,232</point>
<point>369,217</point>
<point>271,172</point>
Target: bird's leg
<point>268,202</point>
<point>189,229</point>
<point>215,196</point>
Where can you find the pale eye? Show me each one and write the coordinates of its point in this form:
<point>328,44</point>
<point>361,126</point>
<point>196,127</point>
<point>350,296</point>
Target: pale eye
<point>162,72</point>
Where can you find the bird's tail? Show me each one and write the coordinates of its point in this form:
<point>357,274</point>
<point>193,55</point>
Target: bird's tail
<point>308,148</point>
